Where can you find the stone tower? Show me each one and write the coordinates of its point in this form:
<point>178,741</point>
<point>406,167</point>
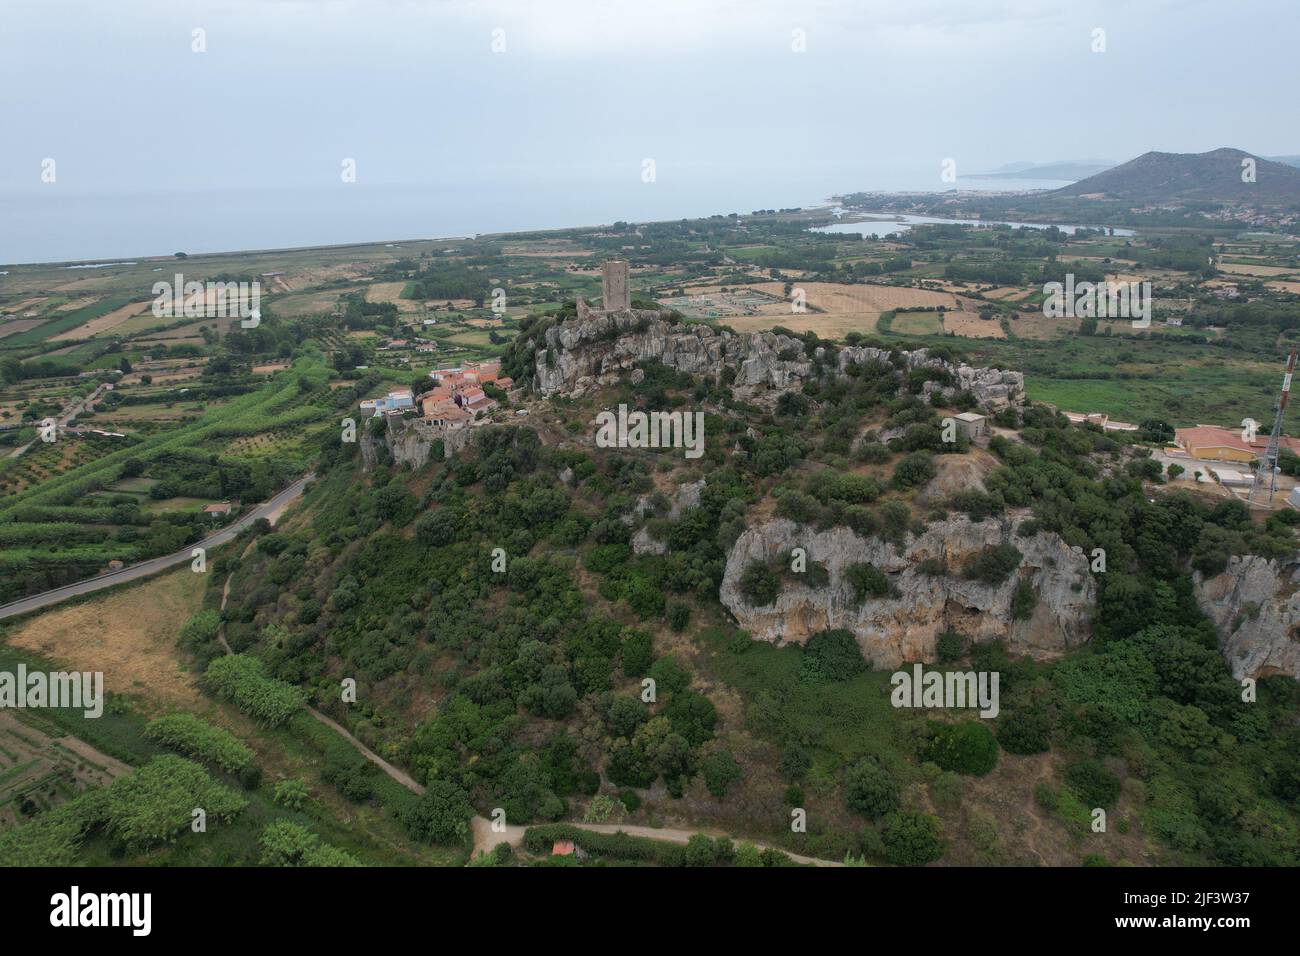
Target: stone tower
<point>613,285</point>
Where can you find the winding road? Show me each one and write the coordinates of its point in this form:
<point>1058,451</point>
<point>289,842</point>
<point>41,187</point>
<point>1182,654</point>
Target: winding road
<point>485,838</point>
<point>270,510</point>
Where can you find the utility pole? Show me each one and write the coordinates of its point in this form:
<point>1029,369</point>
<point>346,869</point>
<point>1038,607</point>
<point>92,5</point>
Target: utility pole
<point>1267,469</point>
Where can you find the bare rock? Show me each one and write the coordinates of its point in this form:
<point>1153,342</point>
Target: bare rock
<point>905,627</point>
<point>1255,607</point>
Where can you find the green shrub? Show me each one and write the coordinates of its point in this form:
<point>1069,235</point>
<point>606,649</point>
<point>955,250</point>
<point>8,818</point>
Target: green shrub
<point>193,737</point>
<point>441,815</point>
<point>964,747</point>
<point>759,584</point>
<point>950,646</point>
<point>156,802</point>
<point>1025,730</point>
<point>831,656</point>
<point>720,772</point>
<point>867,581</point>
<point>994,565</point>
<point>1023,601</point>
<point>913,470</point>
<point>242,680</point>
<point>870,789</point>
<point>1092,783</point>
<point>912,839</point>
<point>291,793</point>
<point>285,843</point>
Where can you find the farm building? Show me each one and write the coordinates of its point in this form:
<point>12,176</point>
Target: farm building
<point>972,425</point>
<point>1212,443</point>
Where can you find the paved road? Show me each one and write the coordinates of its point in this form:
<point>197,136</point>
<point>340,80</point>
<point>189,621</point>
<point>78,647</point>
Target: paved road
<point>69,413</point>
<point>270,510</point>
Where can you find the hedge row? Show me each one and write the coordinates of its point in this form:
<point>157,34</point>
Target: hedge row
<point>195,737</point>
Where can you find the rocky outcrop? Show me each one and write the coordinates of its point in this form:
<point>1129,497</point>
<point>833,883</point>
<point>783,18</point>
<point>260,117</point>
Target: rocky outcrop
<point>684,497</point>
<point>906,625</point>
<point>993,387</point>
<point>598,347</point>
<point>1255,607</point>
<point>410,441</point>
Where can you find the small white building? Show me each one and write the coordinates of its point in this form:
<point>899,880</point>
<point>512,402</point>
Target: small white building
<point>972,425</point>
<point>1231,478</point>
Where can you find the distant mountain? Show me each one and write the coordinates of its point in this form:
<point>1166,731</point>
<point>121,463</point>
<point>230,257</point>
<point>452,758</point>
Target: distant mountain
<point>1285,160</point>
<point>1213,176</point>
<point>1066,169</point>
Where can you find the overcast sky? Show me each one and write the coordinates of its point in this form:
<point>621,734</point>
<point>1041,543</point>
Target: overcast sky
<point>413,91</point>
<point>740,104</point>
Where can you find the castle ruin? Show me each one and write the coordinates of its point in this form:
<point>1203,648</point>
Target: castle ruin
<point>614,286</point>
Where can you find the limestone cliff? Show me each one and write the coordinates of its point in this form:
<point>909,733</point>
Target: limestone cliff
<point>905,627</point>
<point>410,441</point>
<point>598,347</point>
<point>1255,606</point>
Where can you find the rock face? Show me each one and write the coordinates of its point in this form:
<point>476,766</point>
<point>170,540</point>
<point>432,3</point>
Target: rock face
<point>410,441</point>
<point>684,497</point>
<point>905,627</point>
<point>597,347</point>
<point>1255,606</point>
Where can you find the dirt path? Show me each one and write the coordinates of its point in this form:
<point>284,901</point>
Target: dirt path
<point>485,838</point>
<point>481,828</point>
<point>405,779</point>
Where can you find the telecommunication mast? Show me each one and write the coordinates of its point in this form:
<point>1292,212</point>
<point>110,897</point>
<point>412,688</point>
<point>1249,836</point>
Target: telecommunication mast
<point>1267,470</point>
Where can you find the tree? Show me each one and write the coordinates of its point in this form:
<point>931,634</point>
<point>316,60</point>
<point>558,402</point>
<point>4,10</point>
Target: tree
<point>285,843</point>
<point>1025,730</point>
<point>759,584</point>
<point>1092,783</point>
<point>700,851</point>
<point>912,839</point>
<point>441,815</point>
<point>913,470</point>
<point>870,789</point>
<point>831,656</point>
<point>291,793</point>
<point>720,772</point>
<point>867,581</point>
<point>965,747</point>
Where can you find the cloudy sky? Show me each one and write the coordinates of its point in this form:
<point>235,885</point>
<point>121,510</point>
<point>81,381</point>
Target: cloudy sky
<point>714,91</point>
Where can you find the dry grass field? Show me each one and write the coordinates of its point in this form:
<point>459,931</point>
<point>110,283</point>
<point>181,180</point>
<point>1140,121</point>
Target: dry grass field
<point>129,635</point>
<point>306,303</point>
<point>104,323</point>
<point>970,325</point>
<point>392,292</point>
<point>834,297</point>
<point>826,326</point>
<point>843,308</point>
<point>18,325</point>
<point>917,323</point>
<point>76,304</point>
<point>1035,325</point>
<point>1250,269</point>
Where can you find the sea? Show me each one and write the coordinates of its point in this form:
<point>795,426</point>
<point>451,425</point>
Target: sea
<point>59,224</point>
